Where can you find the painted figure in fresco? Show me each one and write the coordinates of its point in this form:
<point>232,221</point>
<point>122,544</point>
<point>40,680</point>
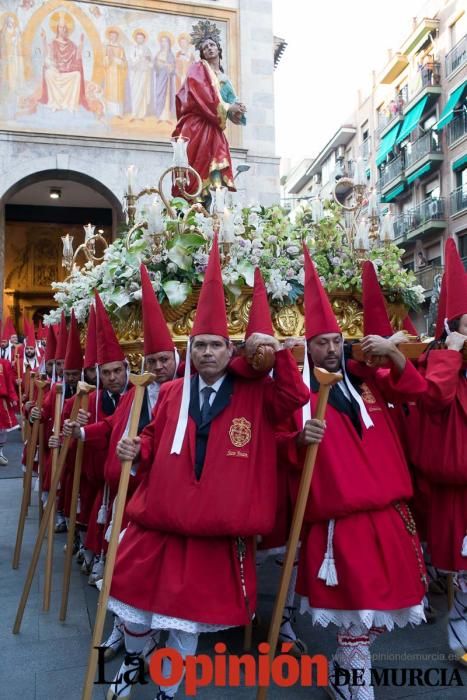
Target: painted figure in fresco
<point>25,10</point>
<point>116,72</point>
<point>205,102</point>
<point>63,78</point>
<point>183,58</point>
<point>140,62</point>
<point>11,56</point>
<point>164,76</point>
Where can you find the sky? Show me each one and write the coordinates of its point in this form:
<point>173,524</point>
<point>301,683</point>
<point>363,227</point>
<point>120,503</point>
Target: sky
<point>333,45</point>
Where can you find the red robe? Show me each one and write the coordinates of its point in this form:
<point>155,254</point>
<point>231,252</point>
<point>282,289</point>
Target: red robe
<point>8,397</point>
<point>357,481</point>
<point>93,480</point>
<point>442,450</point>
<point>105,435</point>
<point>173,559</point>
<point>201,117</point>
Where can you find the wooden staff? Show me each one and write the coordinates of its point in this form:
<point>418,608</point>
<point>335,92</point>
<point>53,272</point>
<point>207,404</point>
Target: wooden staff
<point>30,377</point>
<point>40,468</point>
<point>72,521</point>
<point>82,389</point>
<point>51,523</point>
<point>28,476</point>
<point>326,381</point>
<point>20,389</point>
<point>140,382</point>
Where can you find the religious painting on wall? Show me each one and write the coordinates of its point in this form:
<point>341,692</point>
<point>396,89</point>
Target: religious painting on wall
<point>99,70</point>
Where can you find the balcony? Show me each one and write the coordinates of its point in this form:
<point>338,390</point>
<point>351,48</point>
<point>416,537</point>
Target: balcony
<point>459,200</point>
<point>365,148</point>
<point>456,57</point>
<point>457,129</point>
<point>426,149</point>
<point>391,173</point>
<point>401,227</point>
<point>426,276</point>
<point>425,81</point>
<point>428,216</point>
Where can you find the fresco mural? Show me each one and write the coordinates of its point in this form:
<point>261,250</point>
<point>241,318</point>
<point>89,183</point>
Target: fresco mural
<point>92,69</point>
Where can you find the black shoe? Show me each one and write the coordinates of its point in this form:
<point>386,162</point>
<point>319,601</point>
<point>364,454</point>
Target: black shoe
<point>163,696</point>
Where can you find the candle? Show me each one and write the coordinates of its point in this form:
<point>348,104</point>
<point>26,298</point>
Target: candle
<point>88,232</point>
<point>131,175</point>
<point>180,156</point>
<point>373,203</point>
<point>359,176</point>
<point>67,245</point>
<point>217,199</point>
<point>387,228</point>
<point>155,218</point>
<point>361,237</point>
<point>228,227</point>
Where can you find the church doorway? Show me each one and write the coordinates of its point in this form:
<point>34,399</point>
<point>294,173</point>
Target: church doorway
<point>38,211</point>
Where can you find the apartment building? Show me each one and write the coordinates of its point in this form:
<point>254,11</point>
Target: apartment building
<point>411,131</point>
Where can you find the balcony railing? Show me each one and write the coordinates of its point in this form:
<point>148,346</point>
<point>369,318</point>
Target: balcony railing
<point>426,275</point>
<point>457,128</point>
<point>365,148</point>
<point>431,209</point>
<point>426,144</point>
<point>459,200</point>
<point>391,171</point>
<point>401,226</point>
<point>457,56</point>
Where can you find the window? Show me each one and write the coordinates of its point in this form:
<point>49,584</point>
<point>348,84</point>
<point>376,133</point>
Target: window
<point>432,189</point>
<point>328,168</point>
<point>429,122</point>
<point>463,246</point>
<point>461,178</point>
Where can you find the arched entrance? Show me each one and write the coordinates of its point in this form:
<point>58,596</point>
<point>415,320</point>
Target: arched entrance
<point>38,210</point>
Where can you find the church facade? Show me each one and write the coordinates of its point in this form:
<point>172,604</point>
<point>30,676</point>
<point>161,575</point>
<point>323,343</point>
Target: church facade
<point>88,89</point>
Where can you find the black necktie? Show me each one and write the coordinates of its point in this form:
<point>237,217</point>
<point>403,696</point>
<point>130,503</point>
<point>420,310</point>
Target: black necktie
<point>116,399</point>
<point>206,406</point>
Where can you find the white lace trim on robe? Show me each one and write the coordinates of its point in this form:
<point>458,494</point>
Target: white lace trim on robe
<point>370,618</point>
<point>161,622</point>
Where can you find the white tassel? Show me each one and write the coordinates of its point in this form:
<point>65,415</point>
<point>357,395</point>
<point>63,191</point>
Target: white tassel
<point>306,410</point>
<point>78,505</point>
<point>327,571</point>
<point>464,547</point>
<point>102,515</point>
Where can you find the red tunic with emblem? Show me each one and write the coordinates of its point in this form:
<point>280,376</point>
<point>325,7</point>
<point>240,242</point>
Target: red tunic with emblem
<point>179,554</point>
<point>357,481</point>
<point>8,397</point>
<point>442,456</point>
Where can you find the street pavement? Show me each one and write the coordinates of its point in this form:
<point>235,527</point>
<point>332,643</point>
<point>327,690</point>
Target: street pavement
<point>47,659</point>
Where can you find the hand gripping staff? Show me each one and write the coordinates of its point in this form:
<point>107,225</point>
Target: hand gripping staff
<point>83,389</point>
<point>31,451</point>
<point>72,520</point>
<point>140,382</point>
<point>51,525</point>
<point>326,381</point>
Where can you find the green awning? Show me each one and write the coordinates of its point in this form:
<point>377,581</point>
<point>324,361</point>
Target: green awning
<point>412,119</point>
<point>418,173</point>
<point>447,114</point>
<point>392,194</point>
<point>460,163</point>
<point>387,143</point>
